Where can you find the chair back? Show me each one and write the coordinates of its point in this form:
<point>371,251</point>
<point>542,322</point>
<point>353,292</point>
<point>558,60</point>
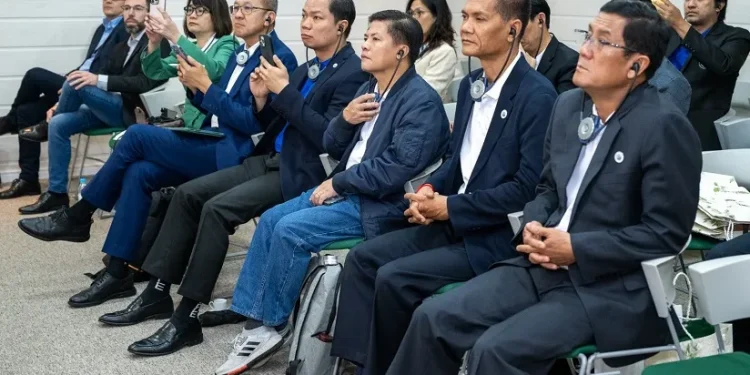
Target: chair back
<point>450,111</point>
<point>729,162</point>
<point>453,89</point>
<point>720,288</point>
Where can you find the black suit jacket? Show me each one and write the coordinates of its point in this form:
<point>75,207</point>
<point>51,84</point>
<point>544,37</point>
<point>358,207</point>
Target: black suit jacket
<point>103,56</point>
<point>558,65</point>
<point>127,77</point>
<point>508,167</point>
<point>300,167</point>
<point>712,71</point>
<point>637,202</point>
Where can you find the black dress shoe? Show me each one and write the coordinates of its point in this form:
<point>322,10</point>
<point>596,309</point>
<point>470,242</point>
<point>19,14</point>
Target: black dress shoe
<point>218,318</point>
<point>20,188</point>
<point>47,202</point>
<point>56,227</point>
<point>104,288</point>
<point>167,340</point>
<point>6,126</point>
<point>36,133</point>
<point>138,312</point>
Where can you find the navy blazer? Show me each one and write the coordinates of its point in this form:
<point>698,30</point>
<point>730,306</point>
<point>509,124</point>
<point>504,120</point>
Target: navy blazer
<point>308,118</point>
<point>119,34</point>
<point>508,169</point>
<point>410,134</point>
<point>235,110</point>
<point>637,202</point>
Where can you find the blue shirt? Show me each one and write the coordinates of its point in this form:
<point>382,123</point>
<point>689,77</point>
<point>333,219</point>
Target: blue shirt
<point>109,26</point>
<point>306,89</point>
<point>680,56</point>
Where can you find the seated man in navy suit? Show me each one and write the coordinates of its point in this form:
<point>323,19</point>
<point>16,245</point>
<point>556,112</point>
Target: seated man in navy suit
<point>383,139</point>
<point>620,186</point>
<point>39,91</point>
<point>192,244</point>
<point>494,162</point>
<point>148,158</point>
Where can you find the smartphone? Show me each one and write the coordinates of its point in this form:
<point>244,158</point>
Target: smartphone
<point>155,6</point>
<point>266,48</point>
<point>180,52</point>
<point>333,200</point>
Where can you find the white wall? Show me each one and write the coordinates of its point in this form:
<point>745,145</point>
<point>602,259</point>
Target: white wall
<point>55,34</point>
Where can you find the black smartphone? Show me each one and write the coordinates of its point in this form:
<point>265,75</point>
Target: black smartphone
<point>333,200</point>
<point>180,52</point>
<point>266,48</point>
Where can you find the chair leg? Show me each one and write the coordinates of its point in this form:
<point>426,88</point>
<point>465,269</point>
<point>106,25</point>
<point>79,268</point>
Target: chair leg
<point>83,159</point>
<point>682,263</point>
<point>720,339</point>
<point>571,366</point>
<point>73,162</point>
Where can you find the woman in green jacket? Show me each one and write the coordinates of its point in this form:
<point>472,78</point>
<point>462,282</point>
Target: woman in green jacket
<point>209,23</point>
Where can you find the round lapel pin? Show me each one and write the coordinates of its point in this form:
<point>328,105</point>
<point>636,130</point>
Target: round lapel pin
<point>503,114</point>
<point>619,157</point>
<point>335,66</point>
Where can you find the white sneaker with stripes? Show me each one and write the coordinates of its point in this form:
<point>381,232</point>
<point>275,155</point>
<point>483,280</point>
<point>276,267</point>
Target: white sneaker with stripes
<point>253,348</point>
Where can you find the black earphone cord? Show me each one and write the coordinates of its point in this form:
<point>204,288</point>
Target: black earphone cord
<point>392,76</point>
<point>501,70</point>
<point>637,68</point>
<point>338,48</point>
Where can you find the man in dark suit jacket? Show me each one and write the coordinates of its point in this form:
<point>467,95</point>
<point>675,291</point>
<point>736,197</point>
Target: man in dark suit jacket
<point>553,59</point>
<point>91,101</point>
<point>710,54</point>
<point>192,244</point>
<point>39,92</point>
<point>612,195</point>
<point>492,166</point>
<point>148,158</point>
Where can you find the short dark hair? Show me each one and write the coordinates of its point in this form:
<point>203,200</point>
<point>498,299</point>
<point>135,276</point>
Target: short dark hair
<point>442,30</point>
<point>645,32</point>
<point>541,6</point>
<point>220,17</point>
<point>515,9</point>
<point>723,13</point>
<point>403,29</point>
<point>343,10</point>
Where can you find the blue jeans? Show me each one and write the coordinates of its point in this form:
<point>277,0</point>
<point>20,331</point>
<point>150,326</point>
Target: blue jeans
<point>279,254</point>
<point>78,111</point>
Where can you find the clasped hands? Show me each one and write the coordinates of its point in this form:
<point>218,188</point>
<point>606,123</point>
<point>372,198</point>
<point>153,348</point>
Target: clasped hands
<point>548,247</point>
<point>426,206</point>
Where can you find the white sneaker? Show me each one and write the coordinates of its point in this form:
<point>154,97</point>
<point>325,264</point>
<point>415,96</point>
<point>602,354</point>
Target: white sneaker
<point>253,348</point>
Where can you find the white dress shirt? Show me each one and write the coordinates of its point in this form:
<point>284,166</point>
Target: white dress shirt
<point>358,152</point>
<point>233,79</point>
<point>539,59</point>
<point>479,125</point>
<point>103,79</point>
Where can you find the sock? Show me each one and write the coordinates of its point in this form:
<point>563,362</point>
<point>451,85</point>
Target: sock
<point>81,212</point>
<point>252,324</point>
<point>52,193</point>
<point>155,291</point>
<point>186,313</point>
<point>117,268</point>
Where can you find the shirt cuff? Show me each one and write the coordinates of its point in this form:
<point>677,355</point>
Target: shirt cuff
<point>102,83</point>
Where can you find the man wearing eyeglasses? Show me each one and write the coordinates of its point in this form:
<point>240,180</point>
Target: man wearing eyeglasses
<point>620,186</point>
<point>148,158</point>
<point>39,91</point>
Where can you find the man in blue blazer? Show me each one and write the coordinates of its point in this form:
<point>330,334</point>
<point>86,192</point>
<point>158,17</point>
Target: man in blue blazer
<point>148,158</point>
<point>493,164</point>
<point>382,141</point>
<point>192,243</point>
<point>39,92</point>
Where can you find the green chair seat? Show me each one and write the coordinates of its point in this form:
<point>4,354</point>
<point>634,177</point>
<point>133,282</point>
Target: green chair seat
<point>344,244</point>
<point>103,131</point>
<point>587,350</point>
<point>700,242</point>
<point>724,364</point>
<point>448,288</point>
<point>698,329</point>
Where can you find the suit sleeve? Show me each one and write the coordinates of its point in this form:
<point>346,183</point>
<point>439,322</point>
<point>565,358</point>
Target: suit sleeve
<point>214,60</point>
<point>487,208</point>
<point>237,115</point>
<point>414,146</point>
<point>725,60</point>
<point>671,165</point>
<point>292,106</point>
<point>139,83</point>
<point>439,74</point>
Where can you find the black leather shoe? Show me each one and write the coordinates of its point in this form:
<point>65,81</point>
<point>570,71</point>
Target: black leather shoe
<point>104,288</point>
<point>167,340</point>
<point>36,133</point>
<point>56,227</point>
<point>6,126</point>
<point>20,188</point>
<point>47,202</point>
<point>138,312</point>
<point>218,318</point>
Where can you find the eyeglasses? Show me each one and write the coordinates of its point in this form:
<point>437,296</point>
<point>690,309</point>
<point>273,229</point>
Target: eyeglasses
<point>135,9</point>
<point>246,9</point>
<point>199,11</point>
<point>416,13</point>
<point>600,43</point>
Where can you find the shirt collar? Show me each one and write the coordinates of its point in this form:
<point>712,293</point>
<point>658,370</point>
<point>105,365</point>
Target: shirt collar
<point>252,48</point>
<point>110,24</point>
<point>596,113</point>
<point>494,91</point>
<point>137,38</point>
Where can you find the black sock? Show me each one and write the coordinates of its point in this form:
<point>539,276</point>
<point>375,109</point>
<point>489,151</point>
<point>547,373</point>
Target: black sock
<point>186,313</point>
<point>117,268</point>
<point>252,324</point>
<point>81,212</point>
<point>52,193</point>
<point>155,291</point>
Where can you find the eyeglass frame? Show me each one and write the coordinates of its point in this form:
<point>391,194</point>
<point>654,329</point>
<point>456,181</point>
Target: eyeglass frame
<point>233,9</point>
<point>137,8</point>
<point>190,10</point>
<point>417,13</point>
<point>587,37</point>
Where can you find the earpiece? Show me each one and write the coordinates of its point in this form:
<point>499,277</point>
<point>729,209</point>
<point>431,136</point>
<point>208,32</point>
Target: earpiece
<point>400,54</point>
<point>541,22</point>
<point>636,66</point>
<point>341,30</point>
<point>268,20</point>
<point>513,31</point>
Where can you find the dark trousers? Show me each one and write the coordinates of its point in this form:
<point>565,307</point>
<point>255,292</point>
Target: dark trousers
<point>740,328</point>
<point>384,280</point>
<point>513,320</point>
<point>37,94</point>
<point>193,241</point>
